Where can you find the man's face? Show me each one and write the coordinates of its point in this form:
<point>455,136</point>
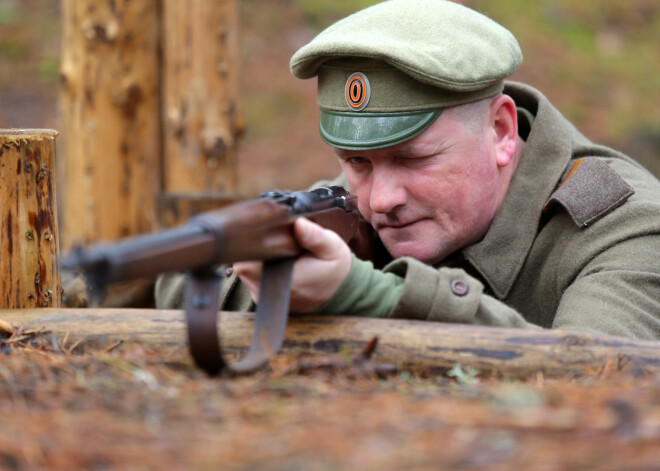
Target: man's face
<point>432,195</point>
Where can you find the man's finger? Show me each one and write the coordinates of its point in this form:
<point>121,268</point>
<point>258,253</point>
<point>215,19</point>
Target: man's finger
<point>322,243</point>
<point>250,275</point>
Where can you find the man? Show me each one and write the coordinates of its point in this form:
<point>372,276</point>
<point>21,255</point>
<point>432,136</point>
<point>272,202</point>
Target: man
<point>494,209</point>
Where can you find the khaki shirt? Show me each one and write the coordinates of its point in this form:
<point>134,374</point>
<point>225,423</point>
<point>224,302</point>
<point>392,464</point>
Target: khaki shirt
<point>575,244</point>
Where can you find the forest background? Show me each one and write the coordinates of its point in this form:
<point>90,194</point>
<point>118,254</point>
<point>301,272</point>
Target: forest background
<point>125,405</point>
<point>598,62</point>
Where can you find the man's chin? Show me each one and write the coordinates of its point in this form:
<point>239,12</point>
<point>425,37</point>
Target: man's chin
<point>421,241</point>
<point>413,250</point>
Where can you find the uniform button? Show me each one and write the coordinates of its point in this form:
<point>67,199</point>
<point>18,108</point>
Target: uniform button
<point>229,270</point>
<point>459,287</point>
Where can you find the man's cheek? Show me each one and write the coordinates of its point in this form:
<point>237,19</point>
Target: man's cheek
<point>365,210</point>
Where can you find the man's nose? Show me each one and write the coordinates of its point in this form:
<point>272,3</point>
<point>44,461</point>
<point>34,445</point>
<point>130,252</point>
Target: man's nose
<point>387,192</point>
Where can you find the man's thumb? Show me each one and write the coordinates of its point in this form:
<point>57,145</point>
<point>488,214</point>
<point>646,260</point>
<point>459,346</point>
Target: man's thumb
<point>322,243</point>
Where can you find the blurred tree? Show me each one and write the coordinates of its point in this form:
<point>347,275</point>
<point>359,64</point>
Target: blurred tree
<point>110,159</point>
<point>597,61</point>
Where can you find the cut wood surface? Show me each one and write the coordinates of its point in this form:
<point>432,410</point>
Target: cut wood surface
<point>418,344</point>
<point>29,250</point>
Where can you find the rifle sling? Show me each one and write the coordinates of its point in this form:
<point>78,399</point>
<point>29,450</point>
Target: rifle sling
<point>201,302</point>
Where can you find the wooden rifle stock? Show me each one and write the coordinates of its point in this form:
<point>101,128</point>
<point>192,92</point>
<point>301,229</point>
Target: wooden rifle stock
<point>259,229</point>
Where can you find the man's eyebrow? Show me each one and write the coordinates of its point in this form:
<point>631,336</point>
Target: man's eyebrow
<point>401,151</point>
<point>416,151</point>
<point>398,152</point>
<point>344,152</point>
<point>404,151</point>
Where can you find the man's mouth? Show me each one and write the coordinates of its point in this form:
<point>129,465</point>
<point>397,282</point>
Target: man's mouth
<point>394,225</point>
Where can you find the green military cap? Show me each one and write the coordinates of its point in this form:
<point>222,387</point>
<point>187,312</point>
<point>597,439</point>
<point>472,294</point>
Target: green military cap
<point>386,72</point>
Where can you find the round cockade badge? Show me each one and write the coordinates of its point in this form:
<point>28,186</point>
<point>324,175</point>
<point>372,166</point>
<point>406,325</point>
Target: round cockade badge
<point>358,91</point>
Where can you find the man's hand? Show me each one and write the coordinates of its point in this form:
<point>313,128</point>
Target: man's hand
<point>318,272</point>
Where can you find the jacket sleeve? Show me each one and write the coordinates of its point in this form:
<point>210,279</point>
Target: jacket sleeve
<point>410,289</point>
<point>617,292</point>
<point>449,295</point>
<point>234,296</point>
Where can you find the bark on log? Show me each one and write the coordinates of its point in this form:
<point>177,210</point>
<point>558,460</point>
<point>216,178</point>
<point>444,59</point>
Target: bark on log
<point>416,344</point>
<point>110,109</point>
<point>29,239</point>
<point>200,59</point>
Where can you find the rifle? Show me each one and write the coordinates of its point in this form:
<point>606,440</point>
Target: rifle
<point>259,229</point>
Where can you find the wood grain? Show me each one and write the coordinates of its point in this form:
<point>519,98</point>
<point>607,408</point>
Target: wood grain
<point>408,343</point>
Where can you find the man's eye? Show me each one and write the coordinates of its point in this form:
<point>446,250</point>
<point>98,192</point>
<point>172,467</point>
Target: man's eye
<point>357,160</point>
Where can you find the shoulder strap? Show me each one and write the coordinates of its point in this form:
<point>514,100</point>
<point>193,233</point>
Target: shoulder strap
<point>590,190</point>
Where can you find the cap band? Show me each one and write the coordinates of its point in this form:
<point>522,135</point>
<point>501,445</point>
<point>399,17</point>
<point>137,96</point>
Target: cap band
<point>390,90</point>
<point>366,104</point>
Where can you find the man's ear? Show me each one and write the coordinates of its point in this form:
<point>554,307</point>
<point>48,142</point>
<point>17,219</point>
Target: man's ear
<point>504,120</point>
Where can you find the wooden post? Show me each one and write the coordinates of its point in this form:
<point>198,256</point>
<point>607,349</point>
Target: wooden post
<point>29,237</point>
<point>110,106</point>
<point>200,59</point>
<point>174,209</point>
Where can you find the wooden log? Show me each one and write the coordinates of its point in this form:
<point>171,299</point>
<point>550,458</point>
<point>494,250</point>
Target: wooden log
<point>110,108</point>
<point>29,239</point>
<point>419,344</point>
<point>200,80</point>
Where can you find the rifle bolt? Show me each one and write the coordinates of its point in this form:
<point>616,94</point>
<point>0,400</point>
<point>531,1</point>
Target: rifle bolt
<point>200,301</point>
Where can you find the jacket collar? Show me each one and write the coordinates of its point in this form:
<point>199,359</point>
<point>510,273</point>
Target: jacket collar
<point>500,255</point>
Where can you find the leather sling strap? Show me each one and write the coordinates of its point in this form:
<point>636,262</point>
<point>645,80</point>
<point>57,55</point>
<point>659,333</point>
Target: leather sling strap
<point>201,304</point>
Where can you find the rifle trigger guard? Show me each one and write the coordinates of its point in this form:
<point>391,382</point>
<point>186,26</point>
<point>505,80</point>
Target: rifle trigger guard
<point>270,321</point>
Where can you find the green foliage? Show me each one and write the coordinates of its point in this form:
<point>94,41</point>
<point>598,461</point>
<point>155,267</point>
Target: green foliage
<point>13,49</point>
<point>321,13</point>
<point>48,69</point>
<point>596,61</point>
<point>515,396</point>
<point>268,114</point>
<point>467,376</point>
<point>9,14</point>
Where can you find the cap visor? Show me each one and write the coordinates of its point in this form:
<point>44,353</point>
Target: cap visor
<point>365,131</point>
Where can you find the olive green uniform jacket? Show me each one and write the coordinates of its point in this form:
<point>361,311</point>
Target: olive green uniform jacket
<point>575,244</point>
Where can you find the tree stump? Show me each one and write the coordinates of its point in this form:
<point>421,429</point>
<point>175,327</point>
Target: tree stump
<point>29,236</point>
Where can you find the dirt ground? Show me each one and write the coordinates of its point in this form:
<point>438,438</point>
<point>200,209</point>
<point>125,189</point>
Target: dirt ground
<point>124,406</point>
